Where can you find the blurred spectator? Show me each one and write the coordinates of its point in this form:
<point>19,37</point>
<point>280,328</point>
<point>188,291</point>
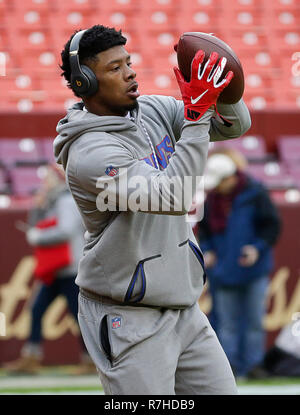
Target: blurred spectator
<point>239,227</point>
<point>283,358</point>
<point>55,232</point>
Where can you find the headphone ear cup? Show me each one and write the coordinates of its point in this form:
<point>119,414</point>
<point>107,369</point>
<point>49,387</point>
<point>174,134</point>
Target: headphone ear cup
<point>93,81</point>
<point>80,84</point>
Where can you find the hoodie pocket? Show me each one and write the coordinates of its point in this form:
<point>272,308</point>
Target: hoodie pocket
<point>104,338</point>
<point>137,287</point>
<point>197,252</point>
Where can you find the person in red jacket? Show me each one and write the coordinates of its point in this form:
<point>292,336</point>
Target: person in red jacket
<point>56,234</point>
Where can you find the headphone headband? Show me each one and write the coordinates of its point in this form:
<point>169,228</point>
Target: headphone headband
<point>74,45</point>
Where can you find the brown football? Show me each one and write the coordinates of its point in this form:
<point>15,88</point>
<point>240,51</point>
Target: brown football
<point>190,42</point>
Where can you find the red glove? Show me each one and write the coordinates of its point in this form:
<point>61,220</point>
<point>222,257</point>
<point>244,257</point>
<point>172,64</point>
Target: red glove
<point>203,89</point>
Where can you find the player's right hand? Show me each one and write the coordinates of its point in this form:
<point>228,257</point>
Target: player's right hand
<point>204,87</point>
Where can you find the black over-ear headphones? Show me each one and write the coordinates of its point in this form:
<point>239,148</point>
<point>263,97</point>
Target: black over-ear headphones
<point>83,79</point>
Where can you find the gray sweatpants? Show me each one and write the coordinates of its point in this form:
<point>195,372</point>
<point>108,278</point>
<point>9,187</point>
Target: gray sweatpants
<point>147,351</point>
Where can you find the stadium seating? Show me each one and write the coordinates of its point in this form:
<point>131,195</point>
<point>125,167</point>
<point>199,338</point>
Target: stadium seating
<point>251,146</point>
<point>283,4</point>
<point>164,5</point>
<point>289,149</point>
<point>28,5</point>
<point>279,171</point>
<point>273,174</point>
<point>294,171</point>
<point>20,151</point>
<point>22,164</point>
<point>4,185</point>
<point>119,5</point>
<point>71,5</point>
<point>25,180</point>
<point>46,146</point>
<point>21,160</point>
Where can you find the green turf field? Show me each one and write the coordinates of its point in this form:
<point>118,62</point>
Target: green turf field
<point>59,380</point>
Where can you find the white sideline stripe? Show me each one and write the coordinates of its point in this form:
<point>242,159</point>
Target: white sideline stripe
<point>62,392</point>
<point>48,382</point>
<point>269,390</point>
<point>41,383</point>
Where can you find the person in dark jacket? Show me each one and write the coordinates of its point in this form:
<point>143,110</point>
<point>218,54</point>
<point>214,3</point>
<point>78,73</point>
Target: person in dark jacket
<point>239,228</point>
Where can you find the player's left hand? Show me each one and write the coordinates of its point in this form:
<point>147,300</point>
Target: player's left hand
<point>204,87</point>
<point>249,256</point>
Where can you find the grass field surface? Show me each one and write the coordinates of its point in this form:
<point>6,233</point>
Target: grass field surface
<point>59,380</point>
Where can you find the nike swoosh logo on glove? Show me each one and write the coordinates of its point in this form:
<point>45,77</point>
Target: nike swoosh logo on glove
<point>194,101</point>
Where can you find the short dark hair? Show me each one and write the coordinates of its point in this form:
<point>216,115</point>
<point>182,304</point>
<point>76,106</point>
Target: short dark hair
<point>95,40</point>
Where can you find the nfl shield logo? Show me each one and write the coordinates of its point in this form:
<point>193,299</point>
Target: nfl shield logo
<point>111,171</point>
<point>116,322</point>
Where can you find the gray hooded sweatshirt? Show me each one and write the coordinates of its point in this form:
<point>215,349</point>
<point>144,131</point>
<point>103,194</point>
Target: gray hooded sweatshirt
<point>140,254</point>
